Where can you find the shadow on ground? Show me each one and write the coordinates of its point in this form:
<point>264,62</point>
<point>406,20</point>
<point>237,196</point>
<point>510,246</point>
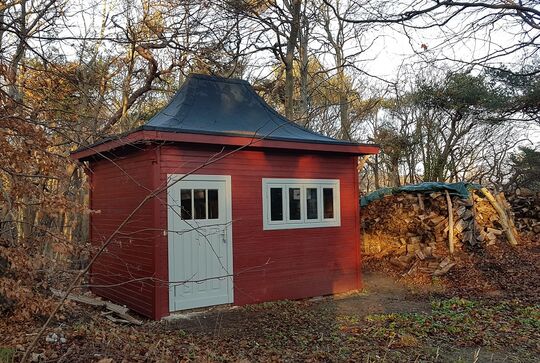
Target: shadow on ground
<point>382,294</point>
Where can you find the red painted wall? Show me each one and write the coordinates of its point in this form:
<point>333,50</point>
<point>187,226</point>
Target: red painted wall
<point>302,262</point>
<point>116,190</point>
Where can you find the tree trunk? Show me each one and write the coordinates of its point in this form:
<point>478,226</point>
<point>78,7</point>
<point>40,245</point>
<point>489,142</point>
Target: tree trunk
<point>376,172</point>
<point>12,71</point>
<point>295,7</point>
<point>337,42</point>
<point>304,70</point>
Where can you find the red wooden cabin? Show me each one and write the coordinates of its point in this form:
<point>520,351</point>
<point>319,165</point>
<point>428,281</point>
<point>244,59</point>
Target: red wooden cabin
<point>250,206</point>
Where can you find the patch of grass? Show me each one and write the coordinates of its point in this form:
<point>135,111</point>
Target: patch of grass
<point>529,315</point>
<point>452,305</point>
<point>348,319</point>
<point>270,305</point>
<point>7,355</point>
<point>464,323</point>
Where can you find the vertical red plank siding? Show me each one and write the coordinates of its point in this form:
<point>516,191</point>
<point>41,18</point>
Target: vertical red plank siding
<point>161,260</point>
<point>117,188</point>
<point>356,178</point>
<point>279,264</point>
<point>90,174</point>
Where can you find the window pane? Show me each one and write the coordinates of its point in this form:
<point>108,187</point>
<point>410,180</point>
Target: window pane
<point>199,196</point>
<point>311,203</point>
<point>213,206</point>
<point>328,200</point>
<point>294,204</point>
<point>185,204</point>
<point>276,204</point>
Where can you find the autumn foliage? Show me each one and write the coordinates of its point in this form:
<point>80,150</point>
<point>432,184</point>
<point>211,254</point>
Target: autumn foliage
<point>35,211</point>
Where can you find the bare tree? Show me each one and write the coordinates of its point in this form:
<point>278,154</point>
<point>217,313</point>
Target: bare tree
<point>460,22</point>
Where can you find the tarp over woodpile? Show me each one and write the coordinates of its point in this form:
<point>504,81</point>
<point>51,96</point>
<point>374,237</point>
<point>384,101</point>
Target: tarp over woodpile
<point>461,189</point>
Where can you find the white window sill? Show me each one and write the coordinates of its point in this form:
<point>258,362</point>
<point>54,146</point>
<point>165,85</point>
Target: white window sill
<point>281,226</point>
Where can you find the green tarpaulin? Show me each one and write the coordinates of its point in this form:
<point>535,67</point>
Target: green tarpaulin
<point>461,189</point>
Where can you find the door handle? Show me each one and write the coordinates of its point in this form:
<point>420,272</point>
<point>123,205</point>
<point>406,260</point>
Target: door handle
<point>224,235</point>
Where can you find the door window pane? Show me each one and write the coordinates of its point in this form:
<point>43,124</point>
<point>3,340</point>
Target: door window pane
<point>328,203</point>
<point>294,204</point>
<point>311,203</point>
<point>199,197</point>
<point>213,206</point>
<point>276,204</point>
<point>185,204</point>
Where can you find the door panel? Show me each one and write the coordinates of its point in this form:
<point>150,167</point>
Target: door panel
<point>200,249</point>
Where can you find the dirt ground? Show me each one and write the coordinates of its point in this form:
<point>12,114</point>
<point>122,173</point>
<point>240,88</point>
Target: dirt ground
<point>382,294</point>
<point>486,310</point>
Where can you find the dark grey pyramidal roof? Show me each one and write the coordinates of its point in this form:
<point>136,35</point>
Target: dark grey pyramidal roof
<point>222,106</point>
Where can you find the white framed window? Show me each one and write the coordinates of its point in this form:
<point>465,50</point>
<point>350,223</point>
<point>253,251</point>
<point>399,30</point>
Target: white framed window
<point>300,203</point>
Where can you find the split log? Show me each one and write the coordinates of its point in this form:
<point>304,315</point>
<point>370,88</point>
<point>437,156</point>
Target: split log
<point>442,270</point>
<point>421,201</point>
<point>460,226</point>
<point>450,222</point>
<point>503,217</point>
<point>496,232</point>
<point>412,269</point>
<point>508,209</point>
<point>445,261</point>
<point>427,251</point>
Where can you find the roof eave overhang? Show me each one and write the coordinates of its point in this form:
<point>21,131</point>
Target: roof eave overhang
<point>234,141</point>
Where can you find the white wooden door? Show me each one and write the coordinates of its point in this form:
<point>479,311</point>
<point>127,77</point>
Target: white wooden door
<point>200,241</point>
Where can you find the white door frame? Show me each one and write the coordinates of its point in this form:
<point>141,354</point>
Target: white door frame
<point>176,179</point>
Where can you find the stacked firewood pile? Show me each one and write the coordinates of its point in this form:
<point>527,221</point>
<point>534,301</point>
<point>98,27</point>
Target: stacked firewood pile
<point>526,207</point>
<point>426,231</point>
